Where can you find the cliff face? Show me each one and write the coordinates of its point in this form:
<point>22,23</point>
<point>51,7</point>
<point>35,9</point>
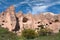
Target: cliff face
<point>18,22</point>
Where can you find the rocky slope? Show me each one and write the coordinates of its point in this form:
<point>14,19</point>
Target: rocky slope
<point>16,22</point>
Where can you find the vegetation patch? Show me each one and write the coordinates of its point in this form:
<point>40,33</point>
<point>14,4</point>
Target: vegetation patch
<point>29,34</point>
<point>6,35</point>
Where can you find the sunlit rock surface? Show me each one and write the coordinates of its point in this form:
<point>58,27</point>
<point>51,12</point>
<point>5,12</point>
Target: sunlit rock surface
<point>16,22</point>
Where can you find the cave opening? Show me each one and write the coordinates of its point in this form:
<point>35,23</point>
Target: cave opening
<point>25,19</point>
<point>38,22</point>
<point>17,26</point>
<point>3,21</point>
<point>41,26</point>
<point>56,20</point>
<point>50,22</point>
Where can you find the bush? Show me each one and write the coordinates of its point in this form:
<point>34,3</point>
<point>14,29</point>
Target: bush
<point>6,35</point>
<point>45,32</point>
<point>29,34</point>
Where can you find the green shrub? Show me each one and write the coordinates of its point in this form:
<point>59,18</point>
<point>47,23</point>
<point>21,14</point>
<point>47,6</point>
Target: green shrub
<point>45,32</point>
<point>29,34</point>
<point>6,35</point>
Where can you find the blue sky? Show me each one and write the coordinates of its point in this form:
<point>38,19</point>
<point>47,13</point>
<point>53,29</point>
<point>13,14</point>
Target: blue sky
<point>32,6</point>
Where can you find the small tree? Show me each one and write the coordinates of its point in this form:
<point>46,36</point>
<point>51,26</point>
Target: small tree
<point>29,33</point>
<point>44,31</point>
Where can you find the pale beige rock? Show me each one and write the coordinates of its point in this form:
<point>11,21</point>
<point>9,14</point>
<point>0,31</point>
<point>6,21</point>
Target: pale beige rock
<point>19,21</point>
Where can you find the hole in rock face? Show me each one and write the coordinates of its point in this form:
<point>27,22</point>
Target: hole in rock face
<point>46,24</point>
<point>42,26</point>
<point>17,26</point>
<point>2,24</point>
<point>25,19</point>
<point>50,22</point>
<point>56,20</point>
<point>3,21</point>
<point>38,22</point>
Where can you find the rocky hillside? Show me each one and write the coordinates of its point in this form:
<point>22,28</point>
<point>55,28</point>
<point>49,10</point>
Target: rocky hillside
<point>16,22</point>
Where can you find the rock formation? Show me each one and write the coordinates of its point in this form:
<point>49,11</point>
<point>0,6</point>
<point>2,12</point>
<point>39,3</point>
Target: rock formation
<point>16,22</point>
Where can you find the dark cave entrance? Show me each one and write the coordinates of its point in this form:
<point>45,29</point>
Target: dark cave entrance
<point>25,19</point>
<point>17,27</point>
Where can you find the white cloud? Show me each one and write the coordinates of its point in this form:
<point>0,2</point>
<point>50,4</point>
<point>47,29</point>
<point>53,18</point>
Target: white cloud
<point>4,1</point>
<point>39,9</point>
<point>16,5</point>
<point>39,4</point>
<point>28,2</point>
<point>54,3</point>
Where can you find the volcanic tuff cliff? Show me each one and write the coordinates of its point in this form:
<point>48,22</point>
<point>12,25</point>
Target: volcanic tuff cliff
<point>17,21</point>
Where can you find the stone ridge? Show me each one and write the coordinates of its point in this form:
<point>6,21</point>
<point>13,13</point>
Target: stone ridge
<point>18,22</point>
